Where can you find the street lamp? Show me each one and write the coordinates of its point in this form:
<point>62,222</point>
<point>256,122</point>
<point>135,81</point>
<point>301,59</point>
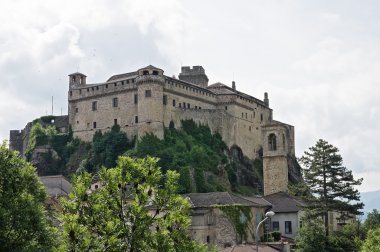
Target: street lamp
<point>267,215</point>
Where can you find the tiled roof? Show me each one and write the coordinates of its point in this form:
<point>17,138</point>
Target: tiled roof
<point>122,76</point>
<point>282,202</point>
<point>219,198</point>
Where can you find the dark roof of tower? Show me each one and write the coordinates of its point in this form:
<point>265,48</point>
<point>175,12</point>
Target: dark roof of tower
<point>77,73</point>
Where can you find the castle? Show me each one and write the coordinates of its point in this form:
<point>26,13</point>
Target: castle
<point>146,101</point>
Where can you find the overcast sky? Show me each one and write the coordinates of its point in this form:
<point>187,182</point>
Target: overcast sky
<point>318,60</point>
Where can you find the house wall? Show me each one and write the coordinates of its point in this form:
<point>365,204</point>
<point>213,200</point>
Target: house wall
<point>282,217</point>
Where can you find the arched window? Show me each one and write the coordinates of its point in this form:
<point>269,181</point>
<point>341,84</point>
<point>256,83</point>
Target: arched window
<point>155,72</point>
<point>145,72</point>
<point>272,145</point>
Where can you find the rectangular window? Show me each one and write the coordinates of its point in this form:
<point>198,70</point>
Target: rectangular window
<point>173,103</point>
<point>184,105</point>
<point>136,99</point>
<point>261,117</point>
<point>114,121</point>
<point>94,125</point>
<point>196,107</point>
<point>148,93</point>
<point>115,102</point>
<point>80,91</point>
<point>136,119</point>
<point>225,107</point>
<point>94,105</point>
<point>76,110</point>
<point>288,227</point>
<point>275,226</point>
<point>180,105</point>
<point>188,105</point>
<point>165,99</point>
<point>71,93</point>
<point>246,116</point>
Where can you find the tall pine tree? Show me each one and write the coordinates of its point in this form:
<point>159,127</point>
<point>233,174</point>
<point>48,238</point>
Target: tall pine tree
<point>330,182</point>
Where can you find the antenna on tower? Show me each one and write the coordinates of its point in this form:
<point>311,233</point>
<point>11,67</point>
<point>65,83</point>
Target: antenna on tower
<point>52,105</point>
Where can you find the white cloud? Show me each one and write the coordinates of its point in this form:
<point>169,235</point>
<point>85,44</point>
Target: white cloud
<point>318,61</point>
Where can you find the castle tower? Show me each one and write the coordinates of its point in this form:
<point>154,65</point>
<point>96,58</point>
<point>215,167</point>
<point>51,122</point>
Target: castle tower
<point>195,75</point>
<point>77,79</point>
<point>277,142</point>
<point>150,83</point>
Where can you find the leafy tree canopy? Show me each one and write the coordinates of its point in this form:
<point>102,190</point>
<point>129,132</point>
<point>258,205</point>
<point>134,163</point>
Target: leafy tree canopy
<point>23,221</point>
<point>135,209</point>
<point>373,220</point>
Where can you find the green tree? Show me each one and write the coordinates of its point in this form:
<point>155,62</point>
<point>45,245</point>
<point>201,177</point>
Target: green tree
<point>23,221</point>
<point>372,243</point>
<point>135,209</point>
<point>349,238</point>
<point>331,182</point>
<point>311,236</point>
<point>373,220</point>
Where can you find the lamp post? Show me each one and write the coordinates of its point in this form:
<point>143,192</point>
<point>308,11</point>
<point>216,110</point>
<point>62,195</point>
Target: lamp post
<point>267,215</point>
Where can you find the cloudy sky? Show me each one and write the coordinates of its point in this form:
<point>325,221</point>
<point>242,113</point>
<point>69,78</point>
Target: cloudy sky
<point>318,60</point>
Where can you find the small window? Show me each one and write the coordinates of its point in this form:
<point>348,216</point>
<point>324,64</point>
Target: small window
<point>97,88</point>
<point>208,239</point>
<point>272,142</point>
<point>94,105</point>
<point>106,85</point>
<point>76,110</point>
<point>80,91</point>
<point>261,117</point>
<point>242,115</point>
<point>200,107</point>
<point>114,121</point>
<point>115,84</point>
<point>196,107</point>
<point>184,105</point>
<point>155,72</point>
<point>96,187</point>
<point>148,93</point>
<point>173,103</point>
<point>288,227</point>
<point>225,107</point>
<point>165,99</point>
<point>275,226</point>
<point>145,72</point>
<point>92,88</point>
<point>71,93</point>
<point>77,122</point>
<point>180,105</point>
<point>136,99</point>
<point>250,128</point>
<point>88,89</point>
<point>246,116</point>
<point>94,125</point>
<point>188,105</point>
<point>136,119</point>
<point>115,102</point>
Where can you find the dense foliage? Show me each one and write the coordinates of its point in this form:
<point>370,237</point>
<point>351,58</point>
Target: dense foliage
<point>135,209</point>
<point>201,159</point>
<point>23,220</point>
<point>332,184</point>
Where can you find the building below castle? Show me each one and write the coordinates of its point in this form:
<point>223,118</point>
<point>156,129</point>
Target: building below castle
<point>146,101</point>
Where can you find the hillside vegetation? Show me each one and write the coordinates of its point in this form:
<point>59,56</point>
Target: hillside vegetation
<point>203,160</point>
